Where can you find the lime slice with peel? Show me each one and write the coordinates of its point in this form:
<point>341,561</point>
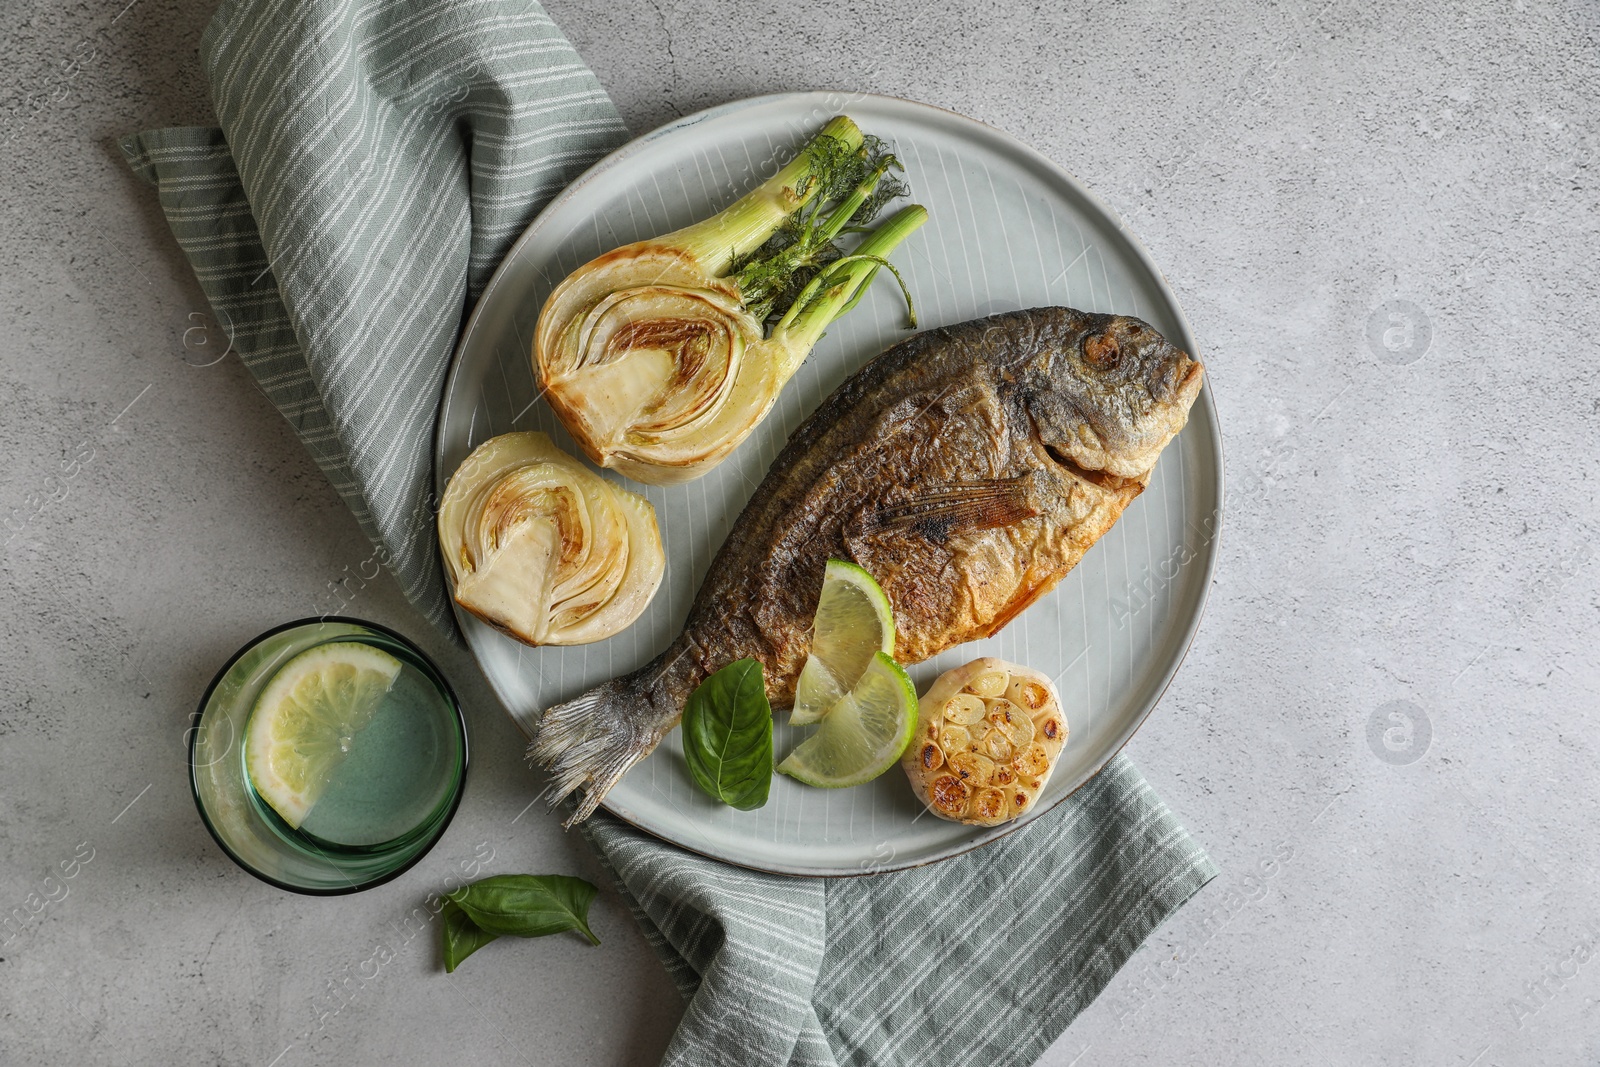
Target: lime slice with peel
<point>303,722</point>
<point>854,621</point>
<point>864,734</point>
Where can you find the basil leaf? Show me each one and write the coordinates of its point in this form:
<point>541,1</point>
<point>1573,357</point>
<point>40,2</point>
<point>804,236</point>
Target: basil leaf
<point>727,735</point>
<point>462,936</point>
<point>527,905</point>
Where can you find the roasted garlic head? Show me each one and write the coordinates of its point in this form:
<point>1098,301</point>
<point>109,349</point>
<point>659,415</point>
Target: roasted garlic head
<point>988,736</point>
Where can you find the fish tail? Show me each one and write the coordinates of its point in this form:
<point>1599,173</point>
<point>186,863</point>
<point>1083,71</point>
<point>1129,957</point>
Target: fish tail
<point>589,742</point>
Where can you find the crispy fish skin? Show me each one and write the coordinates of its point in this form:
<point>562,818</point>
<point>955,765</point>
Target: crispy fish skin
<point>968,469</point>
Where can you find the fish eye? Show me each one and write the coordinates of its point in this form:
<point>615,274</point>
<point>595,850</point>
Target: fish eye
<point>1102,351</point>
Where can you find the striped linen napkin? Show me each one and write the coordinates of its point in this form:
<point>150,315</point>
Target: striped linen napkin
<point>984,958</point>
<point>375,162</point>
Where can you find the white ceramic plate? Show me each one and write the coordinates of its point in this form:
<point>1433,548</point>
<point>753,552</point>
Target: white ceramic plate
<point>1008,229</point>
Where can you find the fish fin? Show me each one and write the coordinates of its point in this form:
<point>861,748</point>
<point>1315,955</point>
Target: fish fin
<point>589,742</point>
<point>977,505</point>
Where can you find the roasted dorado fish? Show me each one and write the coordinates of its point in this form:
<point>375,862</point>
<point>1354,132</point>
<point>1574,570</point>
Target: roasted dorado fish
<point>968,469</point>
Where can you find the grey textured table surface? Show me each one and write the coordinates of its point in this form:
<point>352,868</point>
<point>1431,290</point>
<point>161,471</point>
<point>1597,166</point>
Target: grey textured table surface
<point>1381,220</point>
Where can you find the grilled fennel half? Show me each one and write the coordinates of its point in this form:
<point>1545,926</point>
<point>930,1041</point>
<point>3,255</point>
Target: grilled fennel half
<point>661,356</point>
<point>543,549</point>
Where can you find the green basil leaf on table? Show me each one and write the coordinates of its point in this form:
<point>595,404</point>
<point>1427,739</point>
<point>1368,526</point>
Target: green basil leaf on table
<point>727,735</point>
<point>462,936</point>
<point>527,905</point>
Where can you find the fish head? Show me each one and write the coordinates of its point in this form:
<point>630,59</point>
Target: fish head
<point>1105,393</point>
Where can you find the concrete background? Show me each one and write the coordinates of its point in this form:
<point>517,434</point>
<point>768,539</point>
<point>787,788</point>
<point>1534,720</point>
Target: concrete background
<point>1381,220</point>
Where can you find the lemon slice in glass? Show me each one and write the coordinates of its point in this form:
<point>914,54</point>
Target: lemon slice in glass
<point>864,734</point>
<point>854,621</point>
<point>303,722</point>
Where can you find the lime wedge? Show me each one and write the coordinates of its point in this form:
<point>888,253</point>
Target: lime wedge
<point>863,735</point>
<point>303,722</point>
<point>854,621</point>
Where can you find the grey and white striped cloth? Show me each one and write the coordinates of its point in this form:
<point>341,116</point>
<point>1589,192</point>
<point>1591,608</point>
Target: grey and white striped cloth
<point>376,160</point>
<point>984,958</point>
